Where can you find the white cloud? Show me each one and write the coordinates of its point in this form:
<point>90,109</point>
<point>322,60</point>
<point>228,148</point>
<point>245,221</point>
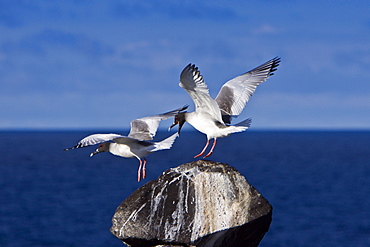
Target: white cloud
<point>266,29</point>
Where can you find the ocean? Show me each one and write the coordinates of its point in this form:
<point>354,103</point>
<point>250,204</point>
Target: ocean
<point>318,183</point>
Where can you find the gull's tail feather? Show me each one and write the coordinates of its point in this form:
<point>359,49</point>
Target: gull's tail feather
<point>240,127</point>
<point>165,144</point>
<point>245,123</point>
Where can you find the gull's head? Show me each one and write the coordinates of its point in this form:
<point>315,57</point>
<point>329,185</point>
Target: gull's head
<point>179,120</point>
<point>104,147</point>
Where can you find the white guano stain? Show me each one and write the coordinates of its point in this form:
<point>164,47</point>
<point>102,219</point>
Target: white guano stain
<point>132,216</point>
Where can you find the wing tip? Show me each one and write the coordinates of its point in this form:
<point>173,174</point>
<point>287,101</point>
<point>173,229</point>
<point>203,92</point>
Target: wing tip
<point>183,108</point>
<point>275,62</point>
<point>190,73</point>
<point>74,147</point>
<point>191,67</point>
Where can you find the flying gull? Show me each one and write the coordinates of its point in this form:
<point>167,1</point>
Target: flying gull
<point>137,144</point>
<point>213,116</point>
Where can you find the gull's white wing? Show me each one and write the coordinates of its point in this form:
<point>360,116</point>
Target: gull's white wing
<point>145,128</point>
<point>192,81</point>
<point>235,93</point>
<point>94,139</point>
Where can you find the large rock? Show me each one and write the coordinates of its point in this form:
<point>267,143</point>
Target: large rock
<point>202,203</point>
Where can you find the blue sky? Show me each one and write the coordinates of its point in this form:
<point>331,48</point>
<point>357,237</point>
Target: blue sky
<point>100,64</point>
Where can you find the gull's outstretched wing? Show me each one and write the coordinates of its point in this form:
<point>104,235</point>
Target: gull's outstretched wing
<point>192,81</point>
<point>94,139</point>
<point>145,128</point>
<point>235,93</point>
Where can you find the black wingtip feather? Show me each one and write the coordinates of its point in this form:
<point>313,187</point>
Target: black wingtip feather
<point>183,108</point>
<point>275,63</point>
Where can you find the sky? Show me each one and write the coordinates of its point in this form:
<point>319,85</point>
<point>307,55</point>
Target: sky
<point>100,64</point>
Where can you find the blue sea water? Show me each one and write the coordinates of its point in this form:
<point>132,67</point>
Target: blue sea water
<point>317,182</point>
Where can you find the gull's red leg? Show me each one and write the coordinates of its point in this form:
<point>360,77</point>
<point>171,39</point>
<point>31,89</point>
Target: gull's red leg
<point>144,168</point>
<point>204,149</point>
<point>139,171</point>
<point>211,151</point>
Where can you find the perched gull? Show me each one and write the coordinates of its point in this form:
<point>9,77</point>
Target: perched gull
<point>136,144</point>
<point>213,117</point>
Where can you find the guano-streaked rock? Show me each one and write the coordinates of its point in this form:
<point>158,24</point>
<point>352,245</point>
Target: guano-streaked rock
<point>202,203</point>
